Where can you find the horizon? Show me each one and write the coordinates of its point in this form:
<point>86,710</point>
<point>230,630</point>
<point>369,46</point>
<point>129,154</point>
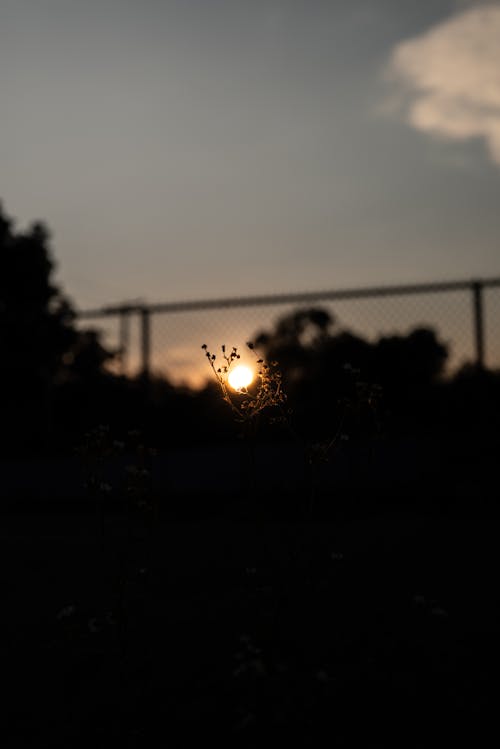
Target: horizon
<point>177,328</point>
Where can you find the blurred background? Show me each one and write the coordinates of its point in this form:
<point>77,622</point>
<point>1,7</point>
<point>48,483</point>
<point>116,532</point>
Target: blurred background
<point>322,179</point>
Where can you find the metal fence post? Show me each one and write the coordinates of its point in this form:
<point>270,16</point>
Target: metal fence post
<point>124,338</point>
<point>145,342</point>
<point>478,317</point>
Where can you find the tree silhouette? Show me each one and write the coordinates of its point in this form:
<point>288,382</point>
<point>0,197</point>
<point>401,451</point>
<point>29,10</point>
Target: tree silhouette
<point>38,340</point>
<point>35,332</point>
<point>35,318</point>
<point>87,358</point>
<point>318,362</point>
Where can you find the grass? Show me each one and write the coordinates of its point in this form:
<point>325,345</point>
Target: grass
<point>378,631</point>
<point>362,624</point>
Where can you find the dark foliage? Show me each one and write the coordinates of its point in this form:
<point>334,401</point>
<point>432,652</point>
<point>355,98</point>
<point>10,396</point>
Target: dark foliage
<point>35,332</point>
<point>322,367</point>
<point>55,383</point>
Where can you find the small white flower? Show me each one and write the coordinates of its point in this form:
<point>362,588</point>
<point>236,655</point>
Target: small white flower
<point>93,625</point>
<point>66,611</point>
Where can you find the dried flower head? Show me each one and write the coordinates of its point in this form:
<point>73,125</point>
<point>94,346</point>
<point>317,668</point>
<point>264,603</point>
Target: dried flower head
<point>247,402</point>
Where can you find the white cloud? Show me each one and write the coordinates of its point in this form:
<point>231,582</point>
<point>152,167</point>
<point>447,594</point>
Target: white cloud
<point>452,75</point>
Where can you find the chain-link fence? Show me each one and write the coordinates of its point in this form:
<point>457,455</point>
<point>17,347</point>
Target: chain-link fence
<point>166,339</point>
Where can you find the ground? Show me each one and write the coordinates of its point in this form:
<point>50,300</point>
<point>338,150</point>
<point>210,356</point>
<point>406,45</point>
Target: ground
<point>374,630</point>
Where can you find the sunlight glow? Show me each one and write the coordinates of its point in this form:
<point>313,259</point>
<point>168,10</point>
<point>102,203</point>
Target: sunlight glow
<point>240,377</point>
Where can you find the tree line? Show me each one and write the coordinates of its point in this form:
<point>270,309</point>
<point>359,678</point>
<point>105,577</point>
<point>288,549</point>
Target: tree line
<point>55,382</point>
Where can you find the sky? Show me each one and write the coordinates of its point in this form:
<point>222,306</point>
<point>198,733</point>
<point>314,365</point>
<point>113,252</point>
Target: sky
<point>203,148</point>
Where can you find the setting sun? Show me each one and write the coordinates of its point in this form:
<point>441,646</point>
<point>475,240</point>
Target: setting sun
<point>240,377</point>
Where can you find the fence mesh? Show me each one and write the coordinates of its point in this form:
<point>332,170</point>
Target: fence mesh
<point>492,326</point>
<point>176,336</point>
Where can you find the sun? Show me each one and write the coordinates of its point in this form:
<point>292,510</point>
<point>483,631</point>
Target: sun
<point>240,377</point>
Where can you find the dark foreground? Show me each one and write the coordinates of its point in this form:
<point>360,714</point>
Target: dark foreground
<point>372,633</point>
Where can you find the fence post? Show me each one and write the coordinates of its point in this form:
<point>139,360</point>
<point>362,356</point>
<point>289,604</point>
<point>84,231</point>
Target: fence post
<point>124,338</point>
<point>478,316</point>
<point>145,342</point>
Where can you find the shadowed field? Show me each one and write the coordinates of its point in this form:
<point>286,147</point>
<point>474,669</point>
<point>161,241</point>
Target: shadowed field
<point>373,632</point>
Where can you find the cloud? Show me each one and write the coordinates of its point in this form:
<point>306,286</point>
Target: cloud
<point>451,74</point>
